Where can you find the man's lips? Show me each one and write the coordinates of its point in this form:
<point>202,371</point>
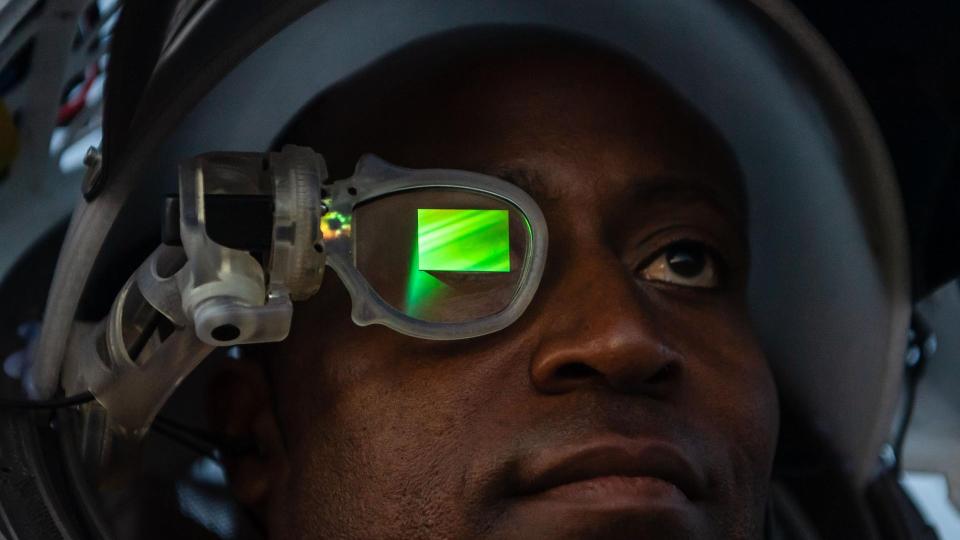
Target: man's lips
<point>611,465</point>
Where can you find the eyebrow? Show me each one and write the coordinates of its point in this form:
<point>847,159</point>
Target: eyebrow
<point>683,188</point>
<point>663,187</point>
<point>529,180</point>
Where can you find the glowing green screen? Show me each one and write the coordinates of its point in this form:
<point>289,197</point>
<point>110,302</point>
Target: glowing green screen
<point>463,240</point>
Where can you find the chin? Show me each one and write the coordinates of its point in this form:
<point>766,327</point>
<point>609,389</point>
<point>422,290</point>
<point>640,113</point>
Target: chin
<point>612,519</point>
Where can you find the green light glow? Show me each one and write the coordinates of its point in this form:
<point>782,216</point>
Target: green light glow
<point>421,287</point>
<point>334,225</point>
<point>463,240</point>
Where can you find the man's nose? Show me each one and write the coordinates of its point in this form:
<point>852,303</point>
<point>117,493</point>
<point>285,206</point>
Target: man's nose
<point>599,328</point>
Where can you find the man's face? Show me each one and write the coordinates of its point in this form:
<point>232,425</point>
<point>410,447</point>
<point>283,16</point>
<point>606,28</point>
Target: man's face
<point>630,400</point>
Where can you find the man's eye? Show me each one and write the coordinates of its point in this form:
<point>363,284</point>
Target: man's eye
<point>685,263</point>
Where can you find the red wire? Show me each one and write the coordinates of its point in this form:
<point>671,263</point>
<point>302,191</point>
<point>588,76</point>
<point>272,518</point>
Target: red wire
<point>69,110</point>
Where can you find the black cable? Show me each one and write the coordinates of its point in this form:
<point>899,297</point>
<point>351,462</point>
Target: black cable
<point>205,443</point>
<point>211,444</point>
<point>144,336</point>
<point>921,346</point>
<point>202,442</point>
<point>909,400</point>
<point>41,404</point>
<point>201,447</point>
<point>196,433</point>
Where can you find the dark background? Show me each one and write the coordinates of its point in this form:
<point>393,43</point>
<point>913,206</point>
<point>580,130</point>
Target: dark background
<point>905,55</point>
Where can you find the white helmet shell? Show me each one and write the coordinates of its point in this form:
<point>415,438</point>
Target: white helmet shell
<point>829,290</point>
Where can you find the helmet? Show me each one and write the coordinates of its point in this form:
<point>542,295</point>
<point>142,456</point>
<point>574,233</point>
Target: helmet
<point>829,290</point>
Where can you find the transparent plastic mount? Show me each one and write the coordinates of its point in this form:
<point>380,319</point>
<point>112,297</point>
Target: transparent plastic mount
<point>375,178</point>
<point>182,303</point>
<point>228,295</point>
<point>228,289</point>
<point>146,350</point>
<point>173,311</point>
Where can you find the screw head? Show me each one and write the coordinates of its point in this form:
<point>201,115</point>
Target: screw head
<point>92,179</point>
<point>92,157</point>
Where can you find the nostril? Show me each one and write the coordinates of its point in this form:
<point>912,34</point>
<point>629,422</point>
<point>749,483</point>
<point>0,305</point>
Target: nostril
<point>662,375</point>
<point>575,370</point>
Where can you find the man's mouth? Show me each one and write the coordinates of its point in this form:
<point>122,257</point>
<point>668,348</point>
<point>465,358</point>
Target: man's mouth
<point>611,470</point>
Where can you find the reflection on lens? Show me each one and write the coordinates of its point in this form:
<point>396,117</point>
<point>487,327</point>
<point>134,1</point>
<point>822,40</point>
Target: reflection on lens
<point>333,225</point>
<point>442,255</point>
<point>463,240</point>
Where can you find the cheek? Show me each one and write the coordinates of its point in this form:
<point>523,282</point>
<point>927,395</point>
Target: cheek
<point>391,446</point>
<point>745,413</point>
<point>734,397</point>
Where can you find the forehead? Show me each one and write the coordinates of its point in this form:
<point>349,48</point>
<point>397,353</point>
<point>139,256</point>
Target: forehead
<point>560,116</point>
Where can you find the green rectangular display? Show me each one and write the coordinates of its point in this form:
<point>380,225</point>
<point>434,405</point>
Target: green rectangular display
<point>463,240</point>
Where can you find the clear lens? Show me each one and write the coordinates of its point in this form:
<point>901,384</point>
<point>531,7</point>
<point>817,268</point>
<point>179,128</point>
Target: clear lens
<point>441,255</point>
